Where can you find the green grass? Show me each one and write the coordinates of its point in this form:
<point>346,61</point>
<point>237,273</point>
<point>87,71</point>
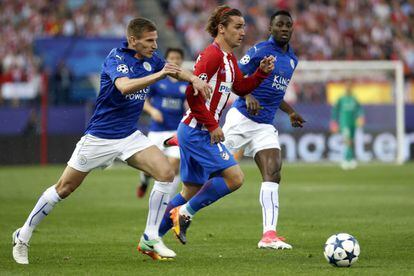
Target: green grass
<point>95,231</point>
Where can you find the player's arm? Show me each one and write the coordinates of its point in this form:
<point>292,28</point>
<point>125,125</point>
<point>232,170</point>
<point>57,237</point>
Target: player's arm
<point>243,86</point>
<point>248,64</point>
<point>128,85</point>
<point>296,119</point>
<point>199,85</point>
<point>252,104</point>
<point>155,114</point>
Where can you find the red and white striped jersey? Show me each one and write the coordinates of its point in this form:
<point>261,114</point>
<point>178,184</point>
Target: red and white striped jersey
<point>221,71</point>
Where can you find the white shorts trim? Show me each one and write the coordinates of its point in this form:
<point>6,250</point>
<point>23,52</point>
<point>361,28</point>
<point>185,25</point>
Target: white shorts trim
<point>158,138</point>
<point>242,133</point>
<point>92,152</point>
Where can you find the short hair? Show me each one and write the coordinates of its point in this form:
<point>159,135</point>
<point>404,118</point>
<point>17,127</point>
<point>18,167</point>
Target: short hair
<point>221,15</point>
<point>280,12</point>
<point>139,25</point>
<point>172,49</point>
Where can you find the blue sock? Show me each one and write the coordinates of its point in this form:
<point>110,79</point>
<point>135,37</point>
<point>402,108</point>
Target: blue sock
<point>166,222</point>
<point>214,189</point>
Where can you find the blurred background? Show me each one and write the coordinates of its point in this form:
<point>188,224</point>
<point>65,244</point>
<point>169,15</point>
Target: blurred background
<point>51,54</point>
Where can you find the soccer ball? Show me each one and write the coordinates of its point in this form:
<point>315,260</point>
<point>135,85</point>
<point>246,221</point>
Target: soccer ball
<point>341,250</point>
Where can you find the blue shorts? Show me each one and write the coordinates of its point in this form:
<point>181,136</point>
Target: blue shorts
<point>200,158</point>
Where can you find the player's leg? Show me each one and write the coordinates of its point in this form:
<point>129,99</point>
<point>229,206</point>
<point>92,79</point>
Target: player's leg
<point>348,150</point>
<point>199,160</point>
<point>175,199</point>
<point>269,162</point>
<point>187,192</point>
<point>173,156</point>
<point>68,182</point>
<point>351,154</point>
<point>175,164</point>
<point>215,188</point>
<point>152,161</point>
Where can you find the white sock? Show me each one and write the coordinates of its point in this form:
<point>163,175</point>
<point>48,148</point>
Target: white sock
<point>184,210</point>
<point>269,199</point>
<point>174,186</point>
<point>158,201</point>
<point>42,208</point>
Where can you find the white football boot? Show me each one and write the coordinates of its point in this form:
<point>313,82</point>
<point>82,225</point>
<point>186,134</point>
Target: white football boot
<point>156,249</point>
<point>20,249</point>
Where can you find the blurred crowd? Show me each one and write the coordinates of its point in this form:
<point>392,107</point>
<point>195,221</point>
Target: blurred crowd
<point>324,29</point>
<point>24,20</point>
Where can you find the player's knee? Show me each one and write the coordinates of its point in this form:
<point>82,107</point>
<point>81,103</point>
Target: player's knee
<point>273,175</point>
<point>236,180</point>
<point>166,175</point>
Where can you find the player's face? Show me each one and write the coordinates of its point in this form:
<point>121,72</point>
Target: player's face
<point>145,45</point>
<point>175,58</point>
<point>281,29</point>
<point>234,31</point>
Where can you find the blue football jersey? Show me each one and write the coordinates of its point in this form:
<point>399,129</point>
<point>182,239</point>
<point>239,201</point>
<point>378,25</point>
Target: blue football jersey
<point>116,115</point>
<point>271,91</point>
<point>168,96</point>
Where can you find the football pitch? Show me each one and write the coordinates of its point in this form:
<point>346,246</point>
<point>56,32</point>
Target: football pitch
<point>95,231</point>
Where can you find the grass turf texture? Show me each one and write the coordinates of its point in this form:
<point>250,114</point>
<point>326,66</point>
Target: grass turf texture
<point>96,230</point>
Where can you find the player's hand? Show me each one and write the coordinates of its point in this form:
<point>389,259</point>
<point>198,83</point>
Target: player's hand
<point>201,87</point>
<point>267,64</point>
<point>216,136</point>
<point>333,126</point>
<point>296,120</point>
<point>171,69</point>
<point>253,105</point>
<point>156,115</point>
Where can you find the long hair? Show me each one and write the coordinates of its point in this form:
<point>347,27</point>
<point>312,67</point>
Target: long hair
<point>221,15</point>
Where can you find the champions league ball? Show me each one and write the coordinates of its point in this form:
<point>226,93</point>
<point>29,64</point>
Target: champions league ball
<point>341,250</point>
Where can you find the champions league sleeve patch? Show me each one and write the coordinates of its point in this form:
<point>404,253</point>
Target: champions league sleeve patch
<point>244,60</point>
<point>203,76</point>
<point>122,68</point>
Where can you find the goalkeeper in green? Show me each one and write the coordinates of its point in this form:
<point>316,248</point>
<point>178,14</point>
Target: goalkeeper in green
<point>347,115</point>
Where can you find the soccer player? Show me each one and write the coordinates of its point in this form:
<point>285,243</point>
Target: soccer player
<point>166,106</point>
<point>208,170</point>
<point>249,123</point>
<point>112,133</point>
<point>347,114</point>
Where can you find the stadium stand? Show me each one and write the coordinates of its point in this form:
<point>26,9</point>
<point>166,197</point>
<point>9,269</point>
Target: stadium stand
<point>25,21</point>
<point>324,30</point>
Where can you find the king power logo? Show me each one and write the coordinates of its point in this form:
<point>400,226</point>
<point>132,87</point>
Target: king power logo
<point>280,83</point>
<point>140,95</point>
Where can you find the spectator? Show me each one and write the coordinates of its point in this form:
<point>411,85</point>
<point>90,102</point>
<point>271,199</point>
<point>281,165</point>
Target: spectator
<point>61,82</point>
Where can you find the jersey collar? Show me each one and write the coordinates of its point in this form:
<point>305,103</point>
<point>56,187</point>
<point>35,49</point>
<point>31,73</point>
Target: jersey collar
<point>125,48</point>
<point>277,47</point>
